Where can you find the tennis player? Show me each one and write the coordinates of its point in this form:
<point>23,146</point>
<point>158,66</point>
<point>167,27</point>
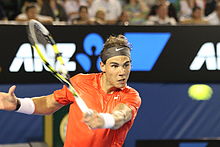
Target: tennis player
<point>113,103</point>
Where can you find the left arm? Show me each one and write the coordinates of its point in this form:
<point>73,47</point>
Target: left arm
<point>119,116</point>
<point>122,114</point>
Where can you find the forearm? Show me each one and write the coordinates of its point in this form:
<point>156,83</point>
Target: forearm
<point>43,105</point>
<point>46,105</point>
<point>121,114</point>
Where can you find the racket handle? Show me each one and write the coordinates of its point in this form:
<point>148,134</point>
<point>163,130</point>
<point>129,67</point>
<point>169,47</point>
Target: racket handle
<point>82,105</point>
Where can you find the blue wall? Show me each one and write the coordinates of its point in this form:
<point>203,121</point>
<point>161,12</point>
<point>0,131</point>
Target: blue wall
<point>17,127</point>
<point>166,113</point>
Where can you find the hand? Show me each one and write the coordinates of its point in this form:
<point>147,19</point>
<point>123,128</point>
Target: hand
<point>8,101</point>
<point>93,120</point>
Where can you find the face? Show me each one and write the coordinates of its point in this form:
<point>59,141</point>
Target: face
<point>162,11</point>
<point>116,70</point>
<point>32,13</point>
<point>197,14</point>
<point>124,16</point>
<point>83,13</point>
<point>100,14</point>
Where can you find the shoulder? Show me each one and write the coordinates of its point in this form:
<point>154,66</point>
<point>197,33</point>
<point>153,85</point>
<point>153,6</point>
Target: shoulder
<point>186,21</point>
<point>86,80</point>
<point>131,98</point>
<point>152,18</point>
<point>172,21</point>
<point>131,92</point>
<point>84,77</point>
<point>22,16</point>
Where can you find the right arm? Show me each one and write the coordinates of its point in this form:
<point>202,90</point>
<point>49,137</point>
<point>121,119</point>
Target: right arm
<point>44,105</point>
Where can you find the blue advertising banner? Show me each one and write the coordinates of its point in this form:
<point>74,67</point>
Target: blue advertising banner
<point>159,54</point>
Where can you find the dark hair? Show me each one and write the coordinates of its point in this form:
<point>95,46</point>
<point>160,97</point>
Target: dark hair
<point>83,7</point>
<point>196,8</point>
<point>29,7</point>
<point>115,41</point>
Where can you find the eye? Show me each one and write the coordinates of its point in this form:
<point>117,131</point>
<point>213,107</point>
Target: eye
<point>127,65</point>
<point>114,66</point>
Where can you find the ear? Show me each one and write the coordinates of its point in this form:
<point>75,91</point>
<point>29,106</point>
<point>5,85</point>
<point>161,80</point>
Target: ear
<point>102,66</point>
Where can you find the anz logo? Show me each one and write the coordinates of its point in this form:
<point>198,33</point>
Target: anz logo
<point>146,49</point>
<point>208,55</point>
<point>31,61</point>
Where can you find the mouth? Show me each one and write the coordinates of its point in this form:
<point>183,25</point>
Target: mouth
<point>122,81</point>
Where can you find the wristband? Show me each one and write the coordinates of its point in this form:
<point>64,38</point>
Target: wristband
<point>109,120</point>
<point>26,106</point>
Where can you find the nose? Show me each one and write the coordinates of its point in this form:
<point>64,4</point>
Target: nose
<point>122,71</point>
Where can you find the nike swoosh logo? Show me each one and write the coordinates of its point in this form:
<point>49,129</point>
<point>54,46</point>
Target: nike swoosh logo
<point>116,97</point>
<point>118,49</point>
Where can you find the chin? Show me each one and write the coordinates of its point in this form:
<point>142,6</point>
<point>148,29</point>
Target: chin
<point>120,86</point>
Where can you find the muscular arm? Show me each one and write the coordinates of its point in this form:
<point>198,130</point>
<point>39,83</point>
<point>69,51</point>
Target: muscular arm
<point>46,105</point>
<point>122,114</point>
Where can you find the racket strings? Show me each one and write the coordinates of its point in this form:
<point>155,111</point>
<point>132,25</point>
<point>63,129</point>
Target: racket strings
<point>40,36</point>
<point>37,36</point>
<point>43,38</point>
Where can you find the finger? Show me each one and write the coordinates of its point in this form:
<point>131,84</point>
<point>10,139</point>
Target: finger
<point>89,112</point>
<point>12,90</point>
<point>88,115</point>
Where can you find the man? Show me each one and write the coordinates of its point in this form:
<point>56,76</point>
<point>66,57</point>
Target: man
<point>161,17</point>
<point>83,18</point>
<point>172,12</point>
<point>113,103</point>
<point>112,9</point>
<point>31,12</point>
<point>197,18</point>
<point>72,7</point>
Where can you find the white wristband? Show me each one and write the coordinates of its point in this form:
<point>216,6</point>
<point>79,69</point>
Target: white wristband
<point>109,120</point>
<point>27,106</point>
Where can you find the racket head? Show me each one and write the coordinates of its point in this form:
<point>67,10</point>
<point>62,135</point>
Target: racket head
<point>39,38</point>
<point>37,33</point>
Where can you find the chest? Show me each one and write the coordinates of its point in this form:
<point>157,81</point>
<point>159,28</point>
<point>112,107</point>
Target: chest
<point>97,100</point>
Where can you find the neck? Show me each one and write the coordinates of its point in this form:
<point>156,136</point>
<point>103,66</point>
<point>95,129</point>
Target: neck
<point>106,86</point>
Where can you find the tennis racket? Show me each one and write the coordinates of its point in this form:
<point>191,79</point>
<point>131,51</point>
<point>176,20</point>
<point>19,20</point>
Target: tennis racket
<point>39,37</point>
